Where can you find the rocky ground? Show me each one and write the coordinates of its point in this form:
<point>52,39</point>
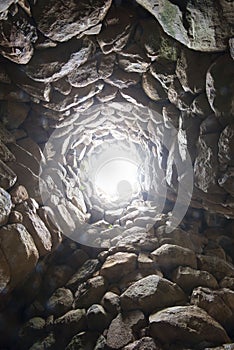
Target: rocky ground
<point>143,289</point>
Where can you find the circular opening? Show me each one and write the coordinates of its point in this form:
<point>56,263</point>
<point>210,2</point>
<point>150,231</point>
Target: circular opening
<point>117,180</point>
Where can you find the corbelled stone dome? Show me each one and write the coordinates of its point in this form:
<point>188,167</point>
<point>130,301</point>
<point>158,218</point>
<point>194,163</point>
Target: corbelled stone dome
<point>116,174</point>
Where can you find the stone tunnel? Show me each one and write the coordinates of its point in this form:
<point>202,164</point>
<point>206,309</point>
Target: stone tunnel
<point>116,174</point>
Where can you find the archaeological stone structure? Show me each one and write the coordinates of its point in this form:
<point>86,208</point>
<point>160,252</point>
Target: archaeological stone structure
<point>117,174</point>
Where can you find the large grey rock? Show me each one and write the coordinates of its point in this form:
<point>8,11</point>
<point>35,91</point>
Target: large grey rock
<point>186,326</point>
<point>151,293</point>
<point>220,86</point>
<point>188,278</point>
<point>153,88</point>
<point>133,59</point>
<point>55,63</point>
<point>191,69</point>
<point>121,330</point>
<point>90,292</point>
<point>219,304</point>
<point>163,69</point>
<point>99,67</point>
<point>60,302</point>
<point>96,318</point>
<point>199,26</point>
<point>20,252</point>
<point>122,79</point>
<point>206,164</point>
<point>219,268</point>
<point>5,206</point>
<point>62,21</point>
<point>169,256</point>
<point>17,37</point>
<point>156,42</point>
<point>83,273</point>
<point>37,229</point>
<point>118,265</point>
<point>77,96</point>
<point>111,303</point>
<point>71,323</point>
<point>182,238</point>
<point>116,30</point>
<point>30,330</point>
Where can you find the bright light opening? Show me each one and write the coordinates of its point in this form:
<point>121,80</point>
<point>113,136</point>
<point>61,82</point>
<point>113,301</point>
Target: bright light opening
<point>117,180</point>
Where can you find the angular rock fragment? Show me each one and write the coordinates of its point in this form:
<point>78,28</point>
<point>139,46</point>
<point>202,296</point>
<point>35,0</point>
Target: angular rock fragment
<point>61,103</point>
<point>96,318</point>
<point>20,251</point>
<point>193,23</point>
<point>47,216</point>
<point>219,304</point>
<point>169,256</point>
<point>152,87</point>
<point>71,323</point>
<point>111,303</point>
<point>188,278</point>
<point>17,37</point>
<point>163,69</point>
<point>118,265</point>
<point>133,59</point>
<point>191,70</point>
<point>83,273</point>
<point>60,302</point>
<point>122,328</point>
<point>99,67</point>
<point>206,164</point>
<point>37,229</point>
<point>156,42</point>
<point>186,326</point>
<point>62,21</point>
<point>219,268</point>
<point>90,292</point>
<point>122,79</point>
<point>57,62</point>
<point>117,29</point>
<point>151,293</point>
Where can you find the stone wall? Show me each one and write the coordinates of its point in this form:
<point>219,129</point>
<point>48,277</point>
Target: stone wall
<point>142,289</point>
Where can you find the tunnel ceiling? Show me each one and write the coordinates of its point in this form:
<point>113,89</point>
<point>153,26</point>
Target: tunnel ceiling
<point>58,61</point>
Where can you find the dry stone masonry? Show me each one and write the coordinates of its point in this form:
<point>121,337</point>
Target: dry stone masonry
<point>76,79</point>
